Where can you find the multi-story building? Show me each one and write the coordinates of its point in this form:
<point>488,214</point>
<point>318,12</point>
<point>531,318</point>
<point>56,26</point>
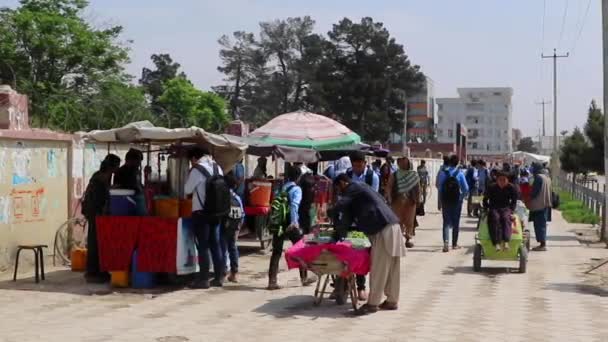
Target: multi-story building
<point>421,114</point>
<point>485,112</point>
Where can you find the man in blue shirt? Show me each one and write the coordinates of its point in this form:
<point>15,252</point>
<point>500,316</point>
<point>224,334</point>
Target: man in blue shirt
<point>293,232</point>
<point>472,177</point>
<point>239,175</point>
<point>361,173</point>
<point>451,209</point>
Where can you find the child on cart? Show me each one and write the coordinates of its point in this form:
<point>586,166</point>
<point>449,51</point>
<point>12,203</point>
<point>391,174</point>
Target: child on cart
<point>501,200</point>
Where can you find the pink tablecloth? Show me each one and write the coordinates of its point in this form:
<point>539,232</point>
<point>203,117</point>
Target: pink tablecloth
<point>356,259</point>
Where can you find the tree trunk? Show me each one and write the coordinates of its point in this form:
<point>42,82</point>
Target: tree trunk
<point>573,184</point>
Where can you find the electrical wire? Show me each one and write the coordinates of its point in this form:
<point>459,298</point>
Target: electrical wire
<point>561,33</point>
<point>582,26</point>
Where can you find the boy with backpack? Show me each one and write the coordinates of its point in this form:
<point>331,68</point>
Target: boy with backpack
<point>231,227</point>
<point>284,223</point>
<point>210,206</point>
<point>453,187</point>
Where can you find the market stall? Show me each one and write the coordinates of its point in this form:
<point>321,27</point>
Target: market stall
<point>162,241</point>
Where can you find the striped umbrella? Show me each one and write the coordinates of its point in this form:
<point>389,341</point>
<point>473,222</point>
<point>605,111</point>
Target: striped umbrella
<point>307,130</point>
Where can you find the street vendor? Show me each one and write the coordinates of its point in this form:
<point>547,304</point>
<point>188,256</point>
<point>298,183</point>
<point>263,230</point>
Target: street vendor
<point>260,171</point>
<point>96,202</point>
<point>129,175</point>
<point>359,203</point>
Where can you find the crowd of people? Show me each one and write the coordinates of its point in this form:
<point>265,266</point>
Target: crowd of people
<point>379,199</point>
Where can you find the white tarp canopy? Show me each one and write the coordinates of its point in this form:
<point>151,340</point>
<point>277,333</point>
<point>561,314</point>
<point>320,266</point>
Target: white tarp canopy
<point>529,158</point>
<point>226,150</point>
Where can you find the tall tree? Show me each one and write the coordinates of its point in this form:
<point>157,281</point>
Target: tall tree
<point>153,81</point>
<point>368,78</point>
<point>57,58</point>
<point>187,106</point>
<point>594,130</point>
<point>573,152</point>
<point>526,144</point>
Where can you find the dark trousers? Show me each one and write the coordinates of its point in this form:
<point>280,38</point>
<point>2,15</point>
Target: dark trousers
<point>472,209</point>
<point>228,240</point>
<point>361,283</point>
<point>208,239</point>
<point>539,218</point>
<point>499,224</point>
<point>277,251</point>
<point>93,268</point>
<point>451,219</point>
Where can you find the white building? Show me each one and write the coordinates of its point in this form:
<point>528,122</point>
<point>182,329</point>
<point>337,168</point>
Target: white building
<point>485,112</point>
<point>545,144</point>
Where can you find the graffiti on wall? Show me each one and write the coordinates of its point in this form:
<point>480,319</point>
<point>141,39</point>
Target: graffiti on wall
<point>28,205</point>
<point>21,165</point>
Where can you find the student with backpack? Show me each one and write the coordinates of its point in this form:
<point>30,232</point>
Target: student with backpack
<point>284,223</point>
<point>472,177</point>
<point>210,206</point>
<point>230,229</point>
<point>453,188</point>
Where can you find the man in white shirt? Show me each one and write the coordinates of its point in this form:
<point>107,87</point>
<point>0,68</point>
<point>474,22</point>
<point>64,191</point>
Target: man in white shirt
<point>207,231</point>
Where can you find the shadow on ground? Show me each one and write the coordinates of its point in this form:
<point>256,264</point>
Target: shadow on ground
<point>289,307</point>
<point>490,272</point>
<point>579,288</point>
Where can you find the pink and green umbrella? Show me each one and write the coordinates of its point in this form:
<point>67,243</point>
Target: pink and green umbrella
<point>306,130</point>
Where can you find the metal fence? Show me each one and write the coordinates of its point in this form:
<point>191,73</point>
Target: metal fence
<point>591,194</point>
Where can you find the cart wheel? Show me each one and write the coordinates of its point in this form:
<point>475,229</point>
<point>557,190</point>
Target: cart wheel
<point>477,258</point>
<point>523,260</point>
<point>341,285</point>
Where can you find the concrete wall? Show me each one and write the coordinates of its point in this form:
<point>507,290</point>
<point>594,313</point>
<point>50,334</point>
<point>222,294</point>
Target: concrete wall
<point>33,193</point>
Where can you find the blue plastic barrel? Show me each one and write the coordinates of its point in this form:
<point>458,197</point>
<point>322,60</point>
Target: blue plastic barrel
<point>122,202</point>
<point>141,280</point>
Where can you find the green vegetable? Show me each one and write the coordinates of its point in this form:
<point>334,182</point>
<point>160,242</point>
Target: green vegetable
<point>356,235</point>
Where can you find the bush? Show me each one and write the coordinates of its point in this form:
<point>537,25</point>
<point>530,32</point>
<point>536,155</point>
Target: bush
<point>573,210</point>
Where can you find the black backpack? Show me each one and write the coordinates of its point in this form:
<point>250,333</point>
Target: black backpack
<point>450,192</point>
<point>217,194</point>
<point>369,176</point>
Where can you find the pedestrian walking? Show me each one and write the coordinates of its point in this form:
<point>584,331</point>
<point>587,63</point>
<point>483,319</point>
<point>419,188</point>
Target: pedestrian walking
<point>403,195</point>
<point>452,190</point>
<point>540,205</point>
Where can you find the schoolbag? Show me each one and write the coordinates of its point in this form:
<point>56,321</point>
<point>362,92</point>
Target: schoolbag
<point>450,192</point>
<point>217,193</point>
<point>369,176</point>
<point>235,216</point>
<point>279,212</point>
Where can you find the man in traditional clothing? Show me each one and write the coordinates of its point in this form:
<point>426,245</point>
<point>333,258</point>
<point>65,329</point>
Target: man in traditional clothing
<point>540,205</point>
<point>403,194</point>
<point>365,207</point>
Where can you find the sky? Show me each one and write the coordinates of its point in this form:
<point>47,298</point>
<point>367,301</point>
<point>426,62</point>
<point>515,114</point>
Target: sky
<point>465,43</point>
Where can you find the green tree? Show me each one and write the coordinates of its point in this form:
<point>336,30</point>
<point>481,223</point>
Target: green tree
<point>153,81</point>
<point>594,131</point>
<point>366,78</point>
<point>187,106</point>
<point>57,58</point>
<point>573,153</point>
<point>526,144</point>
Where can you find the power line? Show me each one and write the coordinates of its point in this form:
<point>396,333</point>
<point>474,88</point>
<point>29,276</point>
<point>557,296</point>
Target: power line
<point>580,31</point>
<point>564,17</point>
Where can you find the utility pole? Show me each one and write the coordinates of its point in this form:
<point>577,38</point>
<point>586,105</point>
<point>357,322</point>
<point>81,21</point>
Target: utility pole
<point>554,158</point>
<point>605,63</point>
<point>543,103</point>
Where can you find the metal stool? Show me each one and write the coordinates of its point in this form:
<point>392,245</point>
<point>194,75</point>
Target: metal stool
<point>39,258</point>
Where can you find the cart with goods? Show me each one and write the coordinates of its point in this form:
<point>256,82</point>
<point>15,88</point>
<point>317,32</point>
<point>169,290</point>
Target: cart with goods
<point>519,245</point>
<point>336,263</point>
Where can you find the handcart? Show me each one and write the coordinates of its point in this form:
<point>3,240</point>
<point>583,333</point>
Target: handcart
<point>518,246</point>
<point>327,267</point>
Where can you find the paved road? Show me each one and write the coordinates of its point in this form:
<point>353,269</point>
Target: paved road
<point>442,300</point>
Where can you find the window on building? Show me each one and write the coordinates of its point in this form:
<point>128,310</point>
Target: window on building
<point>450,133</point>
<point>439,132</point>
<point>439,119</point>
<point>497,94</point>
<point>474,145</point>
<point>474,106</point>
<point>488,147</point>
<point>440,106</point>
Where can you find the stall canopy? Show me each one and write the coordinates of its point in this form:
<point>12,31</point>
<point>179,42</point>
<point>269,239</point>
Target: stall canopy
<point>225,149</point>
<point>528,158</point>
<point>258,147</point>
<point>306,130</point>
